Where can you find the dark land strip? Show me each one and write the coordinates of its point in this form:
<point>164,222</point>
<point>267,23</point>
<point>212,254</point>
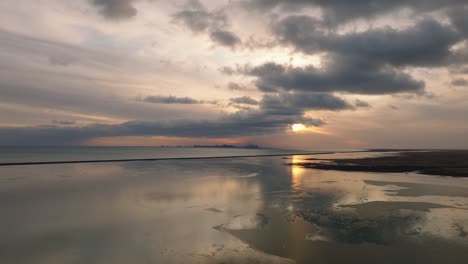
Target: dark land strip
<point>438,162</point>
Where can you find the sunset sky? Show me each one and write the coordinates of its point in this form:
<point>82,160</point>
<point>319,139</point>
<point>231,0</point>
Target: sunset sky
<point>343,74</point>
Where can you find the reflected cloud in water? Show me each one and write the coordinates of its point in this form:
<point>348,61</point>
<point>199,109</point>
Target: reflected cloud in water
<point>239,210</point>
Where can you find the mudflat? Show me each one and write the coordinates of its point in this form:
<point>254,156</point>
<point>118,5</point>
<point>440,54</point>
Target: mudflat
<point>435,162</point>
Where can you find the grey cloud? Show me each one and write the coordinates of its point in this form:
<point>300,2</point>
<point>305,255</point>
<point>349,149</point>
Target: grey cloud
<point>83,91</point>
<point>228,71</point>
<point>244,100</point>
<point>273,77</point>
<point>303,32</point>
<point>297,103</point>
<point>215,23</point>
<point>427,43</point>
<point>242,123</point>
<point>237,70</point>
<point>254,43</point>
<point>360,103</point>
<point>339,11</point>
<point>459,18</point>
<point>275,114</point>
<point>200,20</point>
<point>171,100</point>
<point>115,9</point>
<point>232,85</point>
<point>63,122</point>
<point>460,82</point>
<point>225,38</point>
<point>369,62</point>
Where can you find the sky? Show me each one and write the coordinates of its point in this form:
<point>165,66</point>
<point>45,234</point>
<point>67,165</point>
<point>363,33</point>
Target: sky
<point>287,74</point>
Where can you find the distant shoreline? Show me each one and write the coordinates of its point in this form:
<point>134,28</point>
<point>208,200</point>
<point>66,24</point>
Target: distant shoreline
<point>162,159</point>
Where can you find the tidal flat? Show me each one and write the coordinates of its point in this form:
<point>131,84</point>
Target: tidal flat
<point>240,210</point>
<point>435,162</point>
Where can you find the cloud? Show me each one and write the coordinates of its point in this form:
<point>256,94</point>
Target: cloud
<point>225,38</point>
<point>340,11</point>
<point>272,77</point>
<point>172,100</point>
<point>242,123</point>
<point>63,122</point>
<point>214,23</point>
<point>232,71</point>
<point>115,9</point>
<point>200,20</point>
<point>235,86</point>
<point>299,102</point>
<point>368,62</point>
<point>94,87</point>
<point>459,19</point>
<point>460,82</point>
<point>244,100</point>
<point>296,103</point>
<point>427,43</point>
<point>360,103</point>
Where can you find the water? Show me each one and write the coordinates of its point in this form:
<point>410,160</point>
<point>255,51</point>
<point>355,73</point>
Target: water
<point>84,153</point>
<point>242,210</point>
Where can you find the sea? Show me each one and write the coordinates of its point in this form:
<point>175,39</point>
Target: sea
<point>93,153</point>
<point>157,205</point>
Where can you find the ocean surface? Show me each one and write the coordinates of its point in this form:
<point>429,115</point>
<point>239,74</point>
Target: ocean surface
<point>233,210</point>
<point>85,153</point>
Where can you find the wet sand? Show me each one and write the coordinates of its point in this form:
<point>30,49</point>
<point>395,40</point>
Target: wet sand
<point>443,162</point>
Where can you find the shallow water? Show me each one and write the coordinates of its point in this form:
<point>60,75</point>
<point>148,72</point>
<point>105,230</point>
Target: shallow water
<point>92,153</point>
<point>244,210</point>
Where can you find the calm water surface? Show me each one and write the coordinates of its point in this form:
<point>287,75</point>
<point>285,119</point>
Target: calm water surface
<point>244,210</point>
<point>85,153</point>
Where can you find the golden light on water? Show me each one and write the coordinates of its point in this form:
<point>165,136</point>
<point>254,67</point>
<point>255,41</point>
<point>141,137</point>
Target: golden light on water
<point>297,172</point>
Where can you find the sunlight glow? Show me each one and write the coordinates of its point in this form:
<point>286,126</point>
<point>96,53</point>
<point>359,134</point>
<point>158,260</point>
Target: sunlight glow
<point>297,172</point>
<point>297,127</point>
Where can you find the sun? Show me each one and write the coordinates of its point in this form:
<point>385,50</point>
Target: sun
<point>297,127</point>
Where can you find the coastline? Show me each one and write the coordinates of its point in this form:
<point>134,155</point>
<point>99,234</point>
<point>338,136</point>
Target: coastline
<point>432,162</point>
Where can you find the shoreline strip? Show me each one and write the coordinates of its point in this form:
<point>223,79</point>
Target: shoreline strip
<point>158,159</point>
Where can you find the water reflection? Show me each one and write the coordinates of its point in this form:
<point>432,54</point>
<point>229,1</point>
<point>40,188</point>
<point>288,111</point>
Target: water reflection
<point>233,211</point>
<point>297,172</point>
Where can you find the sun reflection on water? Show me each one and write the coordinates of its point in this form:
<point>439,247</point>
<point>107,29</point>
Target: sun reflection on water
<point>297,172</point>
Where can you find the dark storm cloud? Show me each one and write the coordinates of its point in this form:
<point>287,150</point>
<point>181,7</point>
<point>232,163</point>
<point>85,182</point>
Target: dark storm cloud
<point>297,103</point>
<point>460,82</point>
<point>459,18</point>
<point>272,77</point>
<point>214,23</point>
<point>369,62</point>
<point>115,9</point>
<point>338,11</point>
<point>427,43</point>
<point>242,123</point>
<point>244,100</point>
<point>225,38</point>
<point>171,100</point>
